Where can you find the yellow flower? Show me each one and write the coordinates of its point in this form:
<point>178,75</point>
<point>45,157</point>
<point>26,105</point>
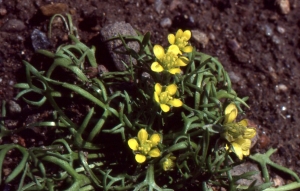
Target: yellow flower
<point>143,147</point>
<point>238,134</point>
<point>237,130</point>
<point>181,40</point>
<point>169,164</point>
<point>168,61</point>
<point>241,147</point>
<point>165,98</point>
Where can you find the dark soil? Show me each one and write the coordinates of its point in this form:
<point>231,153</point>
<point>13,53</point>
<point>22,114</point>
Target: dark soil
<point>257,44</point>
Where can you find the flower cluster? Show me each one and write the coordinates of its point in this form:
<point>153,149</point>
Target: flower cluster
<point>238,134</point>
<point>171,60</point>
<point>143,147</point>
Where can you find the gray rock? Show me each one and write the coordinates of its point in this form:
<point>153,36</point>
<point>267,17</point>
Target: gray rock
<point>200,37</point>
<point>39,40</point>
<point>235,78</point>
<point>246,167</point>
<point>166,22</point>
<point>280,29</point>
<point>233,45</point>
<point>114,46</point>
<point>14,107</point>
<point>284,6</point>
<point>276,39</point>
<point>13,25</point>
<point>281,88</point>
<point>268,30</point>
<point>159,6</point>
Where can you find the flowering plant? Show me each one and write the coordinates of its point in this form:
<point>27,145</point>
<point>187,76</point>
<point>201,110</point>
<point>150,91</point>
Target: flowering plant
<point>159,124</point>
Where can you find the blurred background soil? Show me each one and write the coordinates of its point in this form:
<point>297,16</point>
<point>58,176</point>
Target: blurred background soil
<point>257,41</point>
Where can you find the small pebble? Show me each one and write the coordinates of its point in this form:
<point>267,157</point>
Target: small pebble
<point>39,40</point>
<point>234,77</point>
<point>263,141</point>
<point>191,19</point>
<point>102,69</point>
<point>273,73</point>
<point>278,181</point>
<point>166,22</point>
<point>55,8</point>
<point>174,4</point>
<point>233,45</point>
<point>159,6</point>
<point>14,107</point>
<point>280,29</point>
<point>212,36</point>
<point>281,88</point>
<point>284,6</point>
<point>6,171</point>
<point>276,39</point>
<point>268,30</point>
<point>3,11</point>
<point>200,37</point>
<point>13,25</point>
<point>10,82</point>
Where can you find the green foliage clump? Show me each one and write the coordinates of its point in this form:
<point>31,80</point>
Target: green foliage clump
<point>175,94</point>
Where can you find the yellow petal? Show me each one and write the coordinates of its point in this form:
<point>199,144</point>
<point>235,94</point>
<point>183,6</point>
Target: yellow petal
<point>174,49</point>
<point>171,38</point>
<point>243,123</point>
<point>140,158</point>
<point>188,49</point>
<point>156,67</point>
<point>175,102</point>
<point>187,34</point>
<point>158,88</point>
<point>155,139</point>
<point>133,144</point>
<point>156,97</point>
<point>246,153</point>
<point>171,89</point>
<point>182,61</point>
<point>249,133</point>
<point>246,144</point>
<point>142,135</point>
<point>179,33</point>
<point>154,152</point>
<point>230,113</point>
<point>159,51</point>
<point>164,107</point>
<point>237,150</point>
<point>174,70</point>
<point>229,108</point>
